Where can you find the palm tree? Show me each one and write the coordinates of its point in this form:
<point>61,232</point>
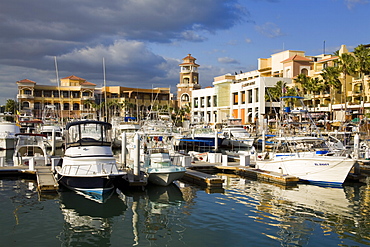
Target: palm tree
<point>330,76</point>
<point>11,106</point>
<point>347,67</point>
<point>362,55</point>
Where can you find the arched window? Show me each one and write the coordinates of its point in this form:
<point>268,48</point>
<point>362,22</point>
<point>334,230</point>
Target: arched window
<point>288,73</point>
<point>66,106</point>
<point>25,105</point>
<point>76,106</point>
<point>185,97</point>
<point>304,71</point>
<point>185,81</point>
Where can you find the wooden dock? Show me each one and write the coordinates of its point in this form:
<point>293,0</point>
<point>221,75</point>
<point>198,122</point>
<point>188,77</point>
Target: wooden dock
<point>46,181</point>
<point>246,171</point>
<point>203,179</point>
<point>258,174</point>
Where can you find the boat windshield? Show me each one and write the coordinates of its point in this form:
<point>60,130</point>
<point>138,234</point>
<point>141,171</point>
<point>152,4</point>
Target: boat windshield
<point>89,134</point>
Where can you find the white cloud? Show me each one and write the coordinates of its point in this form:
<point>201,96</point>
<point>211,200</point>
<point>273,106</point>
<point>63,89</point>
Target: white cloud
<point>269,29</point>
<point>227,60</point>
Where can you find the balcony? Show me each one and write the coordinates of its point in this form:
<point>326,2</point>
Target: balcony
<point>24,96</point>
<point>92,98</point>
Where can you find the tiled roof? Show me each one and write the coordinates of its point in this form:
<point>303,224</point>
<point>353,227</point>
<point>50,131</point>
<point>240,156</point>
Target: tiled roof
<point>26,81</point>
<point>87,83</point>
<point>296,58</point>
<point>73,77</point>
<point>328,59</point>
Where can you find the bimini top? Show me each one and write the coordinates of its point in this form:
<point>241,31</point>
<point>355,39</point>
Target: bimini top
<point>82,122</point>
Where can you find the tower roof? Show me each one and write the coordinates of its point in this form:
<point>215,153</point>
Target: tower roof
<point>189,60</point>
<point>26,81</point>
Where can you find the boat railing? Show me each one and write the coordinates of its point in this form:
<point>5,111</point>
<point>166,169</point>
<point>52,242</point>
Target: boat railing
<point>91,169</point>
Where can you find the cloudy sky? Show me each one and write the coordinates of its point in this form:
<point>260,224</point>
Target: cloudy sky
<point>143,41</point>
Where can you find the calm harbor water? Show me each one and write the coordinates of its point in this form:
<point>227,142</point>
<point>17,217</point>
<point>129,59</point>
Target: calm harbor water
<point>245,213</point>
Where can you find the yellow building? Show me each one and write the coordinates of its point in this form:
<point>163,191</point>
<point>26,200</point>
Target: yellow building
<point>69,97</point>
<point>77,98</point>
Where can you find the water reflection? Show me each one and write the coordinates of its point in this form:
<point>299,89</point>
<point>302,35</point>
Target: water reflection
<point>292,215</point>
<point>157,210</point>
<point>88,221</point>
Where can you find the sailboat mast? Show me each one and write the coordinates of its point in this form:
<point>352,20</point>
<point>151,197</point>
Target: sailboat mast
<point>105,93</point>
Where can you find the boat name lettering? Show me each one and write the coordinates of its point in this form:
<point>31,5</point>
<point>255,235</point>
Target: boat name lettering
<point>321,164</point>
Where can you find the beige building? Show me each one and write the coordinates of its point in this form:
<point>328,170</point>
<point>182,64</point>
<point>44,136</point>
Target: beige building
<point>77,98</point>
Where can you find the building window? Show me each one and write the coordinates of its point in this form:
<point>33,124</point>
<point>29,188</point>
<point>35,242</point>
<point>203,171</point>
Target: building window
<point>202,102</point>
<point>215,100</point>
<point>56,94</point>
<point>196,102</point>
<point>66,106</point>
<point>86,94</point>
<point>209,102</point>
<point>37,106</point>
<point>57,106</point>
<point>65,94</point>
<point>27,91</point>
<point>250,96</point>
<point>243,97</point>
<point>76,94</point>
<point>256,95</point>
<point>37,93</point>
<point>304,71</point>
<point>185,97</point>
<point>235,98</point>
<point>76,106</point>
<point>47,93</point>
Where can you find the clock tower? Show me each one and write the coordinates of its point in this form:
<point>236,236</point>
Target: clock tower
<point>189,81</point>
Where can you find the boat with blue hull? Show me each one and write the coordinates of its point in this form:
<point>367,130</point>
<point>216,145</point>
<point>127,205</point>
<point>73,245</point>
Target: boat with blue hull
<point>88,164</point>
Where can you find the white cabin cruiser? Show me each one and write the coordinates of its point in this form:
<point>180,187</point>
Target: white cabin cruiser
<point>160,168</point>
<point>88,163</point>
<point>30,147</point>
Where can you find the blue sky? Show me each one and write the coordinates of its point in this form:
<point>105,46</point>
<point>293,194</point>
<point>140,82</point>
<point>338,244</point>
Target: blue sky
<point>143,41</point>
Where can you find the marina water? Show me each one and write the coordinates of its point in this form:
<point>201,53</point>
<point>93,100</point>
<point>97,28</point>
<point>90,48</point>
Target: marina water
<point>244,213</point>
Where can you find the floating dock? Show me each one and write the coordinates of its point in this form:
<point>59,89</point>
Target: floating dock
<point>203,179</point>
<point>246,171</point>
<point>46,181</point>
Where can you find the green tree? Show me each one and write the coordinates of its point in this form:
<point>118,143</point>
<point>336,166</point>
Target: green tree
<point>11,106</point>
<point>330,77</point>
<point>362,56</point>
<point>347,67</point>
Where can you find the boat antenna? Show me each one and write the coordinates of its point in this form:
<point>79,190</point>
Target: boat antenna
<point>58,83</point>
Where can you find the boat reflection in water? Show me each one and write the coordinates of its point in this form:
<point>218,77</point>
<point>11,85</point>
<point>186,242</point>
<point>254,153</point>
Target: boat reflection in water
<point>292,215</point>
<point>88,219</point>
<point>156,212</point>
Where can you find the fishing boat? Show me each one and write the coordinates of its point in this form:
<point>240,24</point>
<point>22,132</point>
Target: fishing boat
<point>30,147</point>
<point>160,168</point>
<point>235,135</point>
<point>88,164</point>
<point>308,158</point>
<point>300,150</point>
<point>156,149</point>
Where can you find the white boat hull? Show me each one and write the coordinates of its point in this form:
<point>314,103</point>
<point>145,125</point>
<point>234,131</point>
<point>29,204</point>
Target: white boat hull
<point>328,170</point>
<point>165,177</point>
